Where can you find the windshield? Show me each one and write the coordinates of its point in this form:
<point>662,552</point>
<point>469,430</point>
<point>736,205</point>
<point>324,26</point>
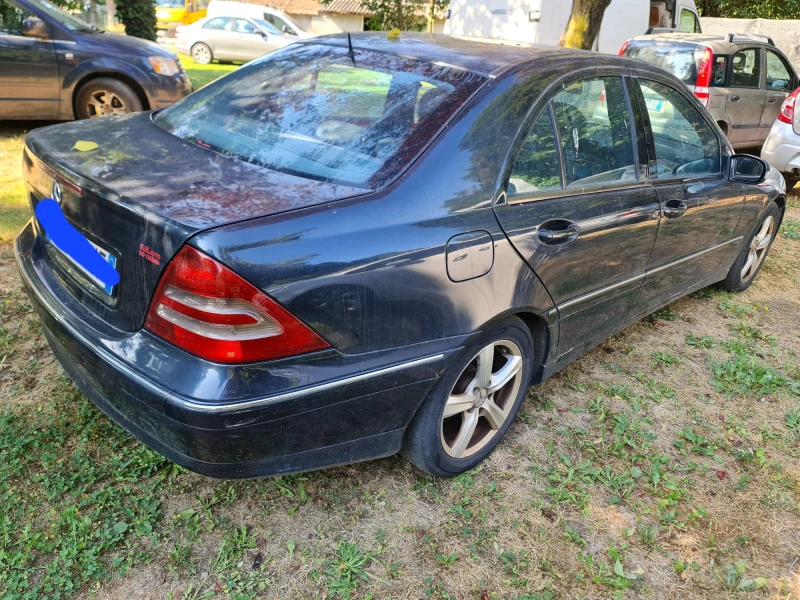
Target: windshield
<point>266,26</point>
<point>65,19</point>
<point>314,111</point>
<point>169,4</point>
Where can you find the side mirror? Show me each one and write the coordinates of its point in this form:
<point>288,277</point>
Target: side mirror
<point>34,28</point>
<point>748,169</point>
<point>265,37</point>
<point>284,29</point>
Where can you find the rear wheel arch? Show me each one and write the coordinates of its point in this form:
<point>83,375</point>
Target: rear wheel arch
<point>723,125</point>
<point>129,81</point>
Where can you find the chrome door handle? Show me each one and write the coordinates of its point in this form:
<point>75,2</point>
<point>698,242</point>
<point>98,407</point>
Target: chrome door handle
<point>673,212</point>
<point>559,236</point>
<point>734,98</point>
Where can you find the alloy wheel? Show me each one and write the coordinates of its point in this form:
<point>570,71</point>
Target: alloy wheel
<point>758,248</point>
<point>105,102</point>
<point>201,55</point>
<point>482,399</point>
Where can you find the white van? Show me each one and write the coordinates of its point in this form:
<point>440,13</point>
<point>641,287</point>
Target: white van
<point>278,19</point>
<point>543,21</point>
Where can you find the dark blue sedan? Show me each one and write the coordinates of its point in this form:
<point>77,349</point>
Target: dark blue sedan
<point>53,66</point>
<point>339,252</point>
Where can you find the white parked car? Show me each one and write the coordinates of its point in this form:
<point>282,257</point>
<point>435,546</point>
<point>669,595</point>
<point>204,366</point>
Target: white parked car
<point>229,38</point>
<point>782,148</point>
<point>278,19</point>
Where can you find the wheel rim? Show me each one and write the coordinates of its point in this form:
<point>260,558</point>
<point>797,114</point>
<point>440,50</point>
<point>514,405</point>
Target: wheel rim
<point>104,102</point>
<point>201,54</point>
<point>758,248</point>
<point>480,402</point>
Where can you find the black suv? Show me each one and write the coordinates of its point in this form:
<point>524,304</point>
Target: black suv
<point>55,66</point>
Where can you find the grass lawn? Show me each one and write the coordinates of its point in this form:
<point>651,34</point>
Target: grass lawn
<point>203,74</point>
<point>664,464</point>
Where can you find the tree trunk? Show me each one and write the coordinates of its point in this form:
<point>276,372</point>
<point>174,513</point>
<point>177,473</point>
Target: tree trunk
<point>401,22</point>
<point>584,24</point>
<point>431,15</point>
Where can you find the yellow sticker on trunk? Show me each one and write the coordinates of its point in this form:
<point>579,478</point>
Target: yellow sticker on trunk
<point>82,146</point>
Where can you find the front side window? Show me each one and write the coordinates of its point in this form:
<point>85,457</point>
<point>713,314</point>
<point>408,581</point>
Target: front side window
<point>778,75</point>
<point>746,68</point>
<point>685,144</point>
<point>244,26</point>
<point>279,24</point>
<point>594,129</point>
<point>314,111</point>
<point>11,19</point>
<point>688,22</point>
<point>537,167</point>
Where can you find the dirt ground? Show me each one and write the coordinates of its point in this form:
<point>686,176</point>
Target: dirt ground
<point>664,464</point>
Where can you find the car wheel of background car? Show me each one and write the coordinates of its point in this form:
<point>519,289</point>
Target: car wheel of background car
<point>106,96</point>
<point>472,406</point>
<point>790,180</point>
<point>202,54</point>
<point>751,258</point>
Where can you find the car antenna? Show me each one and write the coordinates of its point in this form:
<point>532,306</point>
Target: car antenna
<point>350,49</point>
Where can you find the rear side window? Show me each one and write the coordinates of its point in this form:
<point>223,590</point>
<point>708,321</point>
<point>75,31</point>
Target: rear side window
<point>594,129</point>
<point>688,22</point>
<point>537,167</point>
<point>683,60</point>
<point>746,68</point>
<point>218,23</point>
<point>685,144</point>
<point>314,111</point>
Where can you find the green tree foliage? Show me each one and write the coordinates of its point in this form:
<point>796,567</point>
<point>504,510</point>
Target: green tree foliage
<point>750,9</point>
<point>139,18</point>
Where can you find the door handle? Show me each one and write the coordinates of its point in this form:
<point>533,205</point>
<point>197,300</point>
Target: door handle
<point>673,209</point>
<point>734,98</point>
<point>558,236</point>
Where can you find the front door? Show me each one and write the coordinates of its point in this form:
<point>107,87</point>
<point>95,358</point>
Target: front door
<point>700,207</point>
<point>29,84</point>
<point>745,98</point>
<point>780,82</point>
<point>580,210</point>
<point>251,42</point>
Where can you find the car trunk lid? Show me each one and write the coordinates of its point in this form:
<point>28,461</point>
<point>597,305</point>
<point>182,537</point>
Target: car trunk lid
<point>140,194</point>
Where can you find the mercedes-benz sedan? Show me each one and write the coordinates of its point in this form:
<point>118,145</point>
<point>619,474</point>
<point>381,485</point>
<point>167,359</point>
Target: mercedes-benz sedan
<point>335,253</point>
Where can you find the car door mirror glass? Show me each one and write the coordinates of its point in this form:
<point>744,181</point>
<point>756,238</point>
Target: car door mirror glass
<point>748,169</point>
<point>34,28</point>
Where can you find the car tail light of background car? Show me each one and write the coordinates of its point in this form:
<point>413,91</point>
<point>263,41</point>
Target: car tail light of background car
<point>704,73</point>
<point>202,306</point>
<point>624,47</point>
<point>787,108</point>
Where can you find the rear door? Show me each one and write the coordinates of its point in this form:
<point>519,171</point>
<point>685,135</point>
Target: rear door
<point>746,97</point>
<point>779,83</point>
<point>578,208</point>
<point>29,83</point>
<point>700,208</point>
<point>220,34</point>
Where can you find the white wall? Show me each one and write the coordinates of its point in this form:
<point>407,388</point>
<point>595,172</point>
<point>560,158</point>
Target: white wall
<point>785,34</point>
<point>325,23</point>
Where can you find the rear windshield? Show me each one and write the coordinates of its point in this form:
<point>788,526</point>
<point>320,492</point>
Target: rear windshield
<point>314,111</point>
<point>682,60</point>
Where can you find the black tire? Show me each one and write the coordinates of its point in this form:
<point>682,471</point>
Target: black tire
<point>737,281</point>
<point>424,443</point>
<point>105,96</point>
<point>201,53</point>
<point>790,180</point>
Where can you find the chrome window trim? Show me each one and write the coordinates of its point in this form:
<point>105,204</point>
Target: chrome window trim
<point>575,191</point>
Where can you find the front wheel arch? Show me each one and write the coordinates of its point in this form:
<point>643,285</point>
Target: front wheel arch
<point>130,82</point>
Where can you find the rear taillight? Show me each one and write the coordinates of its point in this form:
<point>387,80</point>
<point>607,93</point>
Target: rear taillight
<point>701,88</point>
<point>624,47</point>
<point>787,108</point>
<point>205,308</point>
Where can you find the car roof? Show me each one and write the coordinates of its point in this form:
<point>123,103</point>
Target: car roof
<point>718,43</point>
<point>479,55</point>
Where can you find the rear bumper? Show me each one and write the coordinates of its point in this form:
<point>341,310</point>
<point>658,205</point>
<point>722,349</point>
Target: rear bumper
<point>327,422</point>
<point>782,148</point>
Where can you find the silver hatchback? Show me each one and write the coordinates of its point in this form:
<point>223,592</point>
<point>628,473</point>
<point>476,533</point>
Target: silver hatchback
<point>742,79</point>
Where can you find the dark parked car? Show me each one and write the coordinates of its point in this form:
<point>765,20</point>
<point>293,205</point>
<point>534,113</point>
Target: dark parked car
<point>334,254</point>
<point>55,66</point>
